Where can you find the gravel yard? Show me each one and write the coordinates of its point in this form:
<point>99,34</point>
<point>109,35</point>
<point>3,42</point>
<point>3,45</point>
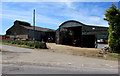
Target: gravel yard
<point>78,51</point>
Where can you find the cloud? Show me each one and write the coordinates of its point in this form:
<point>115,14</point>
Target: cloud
<point>16,15</point>
<point>27,16</point>
<point>52,14</point>
<point>86,15</point>
<point>47,20</point>
<point>0,17</point>
<point>42,15</point>
<point>70,5</point>
<point>60,0</point>
<point>94,19</point>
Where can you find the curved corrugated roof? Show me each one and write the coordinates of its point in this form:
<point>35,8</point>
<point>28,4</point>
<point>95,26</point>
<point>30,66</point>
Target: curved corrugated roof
<point>78,24</point>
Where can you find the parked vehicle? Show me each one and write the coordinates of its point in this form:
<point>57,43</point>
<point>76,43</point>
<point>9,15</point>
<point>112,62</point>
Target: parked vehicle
<point>4,37</point>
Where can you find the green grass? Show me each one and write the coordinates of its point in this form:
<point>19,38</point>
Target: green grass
<point>114,55</point>
<point>24,44</point>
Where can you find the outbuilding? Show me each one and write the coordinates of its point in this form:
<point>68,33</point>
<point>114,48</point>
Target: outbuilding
<point>24,30</point>
<point>78,34</point>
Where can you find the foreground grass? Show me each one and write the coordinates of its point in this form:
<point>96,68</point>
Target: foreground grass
<point>113,55</point>
<point>23,46</point>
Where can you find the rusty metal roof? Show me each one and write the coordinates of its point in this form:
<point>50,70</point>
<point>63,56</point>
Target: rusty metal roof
<point>28,26</point>
<point>38,28</point>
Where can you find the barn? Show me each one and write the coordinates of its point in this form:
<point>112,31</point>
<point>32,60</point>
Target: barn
<point>78,34</point>
<point>24,30</point>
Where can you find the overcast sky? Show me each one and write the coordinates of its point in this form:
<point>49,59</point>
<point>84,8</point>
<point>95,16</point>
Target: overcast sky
<point>52,14</point>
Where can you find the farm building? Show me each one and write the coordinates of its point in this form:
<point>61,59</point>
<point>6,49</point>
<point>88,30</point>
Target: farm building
<point>69,33</point>
<point>78,34</point>
<point>24,30</point>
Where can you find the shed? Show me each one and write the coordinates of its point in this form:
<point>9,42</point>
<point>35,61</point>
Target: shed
<point>24,30</point>
<point>78,34</point>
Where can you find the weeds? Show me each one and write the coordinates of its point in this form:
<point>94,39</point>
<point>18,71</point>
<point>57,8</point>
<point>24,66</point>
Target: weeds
<point>29,44</point>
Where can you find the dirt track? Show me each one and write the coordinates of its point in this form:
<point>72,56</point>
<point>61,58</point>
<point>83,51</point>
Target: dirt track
<point>73,50</point>
<point>87,52</point>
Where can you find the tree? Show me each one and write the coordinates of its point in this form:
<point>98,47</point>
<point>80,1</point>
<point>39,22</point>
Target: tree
<point>112,15</point>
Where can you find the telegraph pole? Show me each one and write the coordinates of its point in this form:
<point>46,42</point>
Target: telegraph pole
<point>34,25</point>
<point>119,5</point>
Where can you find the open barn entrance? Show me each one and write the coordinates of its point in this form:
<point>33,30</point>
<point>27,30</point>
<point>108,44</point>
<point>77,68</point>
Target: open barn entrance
<point>48,37</point>
<point>72,36</point>
<point>88,41</point>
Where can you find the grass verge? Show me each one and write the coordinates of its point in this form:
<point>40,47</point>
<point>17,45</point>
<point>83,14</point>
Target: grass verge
<point>24,44</point>
<point>113,55</point>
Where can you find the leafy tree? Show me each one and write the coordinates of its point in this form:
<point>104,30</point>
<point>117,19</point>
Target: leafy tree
<point>112,15</point>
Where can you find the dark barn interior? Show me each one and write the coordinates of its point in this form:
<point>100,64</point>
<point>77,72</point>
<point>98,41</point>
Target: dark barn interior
<point>88,41</point>
<point>69,33</point>
<point>49,37</point>
<point>72,35</point>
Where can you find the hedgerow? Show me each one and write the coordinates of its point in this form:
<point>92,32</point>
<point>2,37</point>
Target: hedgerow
<point>32,44</point>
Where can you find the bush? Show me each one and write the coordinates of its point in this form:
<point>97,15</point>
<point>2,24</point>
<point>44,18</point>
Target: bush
<point>30,44</point>
<point>40,45</point>
<point>25,43</point>
<point>37,45</point>
<point>13,42</point>
<point>8,41</point>
<point>17,42</point>
<point>22,42</point>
